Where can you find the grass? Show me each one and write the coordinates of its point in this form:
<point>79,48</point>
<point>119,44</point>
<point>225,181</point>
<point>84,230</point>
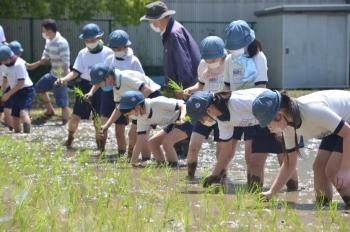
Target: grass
<point>43,190</point>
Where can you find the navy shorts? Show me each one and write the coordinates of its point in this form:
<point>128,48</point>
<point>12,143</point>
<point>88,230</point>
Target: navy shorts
<point>47,83</point>
<point>265,142</point>
<point>332,143</point>
<point>186,127</point>
<point>8,104</point>
<point>108,106</point>
<point>206,130</point>
<point>249,132</point>
<point>22,100</point>
<point>83,109</point>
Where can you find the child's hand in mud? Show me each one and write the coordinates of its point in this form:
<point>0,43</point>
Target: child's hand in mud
<point>266,196</point>
<point>212,179</point>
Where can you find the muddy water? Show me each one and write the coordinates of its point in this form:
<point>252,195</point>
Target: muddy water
<point>52,134</point>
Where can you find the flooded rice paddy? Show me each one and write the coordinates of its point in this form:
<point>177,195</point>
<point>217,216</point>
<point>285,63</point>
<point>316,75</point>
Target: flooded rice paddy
<point>44,187</point>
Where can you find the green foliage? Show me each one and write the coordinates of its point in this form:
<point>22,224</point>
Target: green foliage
<point>174,86</point>
<point>122,11</point>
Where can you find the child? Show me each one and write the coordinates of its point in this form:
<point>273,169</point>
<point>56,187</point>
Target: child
<point>94,52</point>
<point>324,115</point>
<point>156,111</point>
<point>210,78</point>
<point>104,77</point>
<point>21,88</point>
<point>246,67</point>
<point>122,59</point>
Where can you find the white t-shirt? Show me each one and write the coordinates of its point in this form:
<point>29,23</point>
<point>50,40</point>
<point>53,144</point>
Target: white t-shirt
<point>213,80</point>
<point>159,111</point>
<point>240,108</point>
<point>130,62</point>
<point>2,35</point>
<point>261,68</point>
<point>17,72</point>
<point>85,60</point>
<point>131,80</point>
<point>321,113</point>
<point>2,73</point>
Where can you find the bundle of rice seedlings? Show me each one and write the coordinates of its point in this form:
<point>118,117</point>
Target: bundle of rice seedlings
<point>174,86</point>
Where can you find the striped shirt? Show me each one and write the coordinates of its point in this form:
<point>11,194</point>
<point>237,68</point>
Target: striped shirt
<point>57,51</point>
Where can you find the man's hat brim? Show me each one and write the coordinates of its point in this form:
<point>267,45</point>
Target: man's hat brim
<point>149,18</point>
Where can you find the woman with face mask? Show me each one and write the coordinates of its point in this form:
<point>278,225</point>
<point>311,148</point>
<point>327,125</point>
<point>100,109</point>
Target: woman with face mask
<point>324,115</point>
<point>165,111</point>
<point>246,67</point>
<point>210,78</point>
<point>94,52</point>
<point>107,78</point>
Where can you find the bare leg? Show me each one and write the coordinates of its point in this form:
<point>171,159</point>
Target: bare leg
<point>333,166</point>
<point>192,156</point>
<point>65,115</point>
<point>8,117</point>
<point>155,142</point>
<point>120,135</point>
<point>322,185</point>
<point>72,128</point>
<point>132,138</point>
<point>48,105</point>
<point>174,136</point>
<point>16,124</point>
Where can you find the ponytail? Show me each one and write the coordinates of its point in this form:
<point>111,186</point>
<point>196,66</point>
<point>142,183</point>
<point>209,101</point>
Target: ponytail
<point>291,109</point>
<point>254,48</point>
<point>220,100</point>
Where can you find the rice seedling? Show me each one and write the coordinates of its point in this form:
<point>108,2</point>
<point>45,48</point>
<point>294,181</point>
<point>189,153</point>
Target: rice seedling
<point>59,72</point>
<point>175,87</point>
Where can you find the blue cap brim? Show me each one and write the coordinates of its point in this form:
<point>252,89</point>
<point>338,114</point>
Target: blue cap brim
<point>81,36</point>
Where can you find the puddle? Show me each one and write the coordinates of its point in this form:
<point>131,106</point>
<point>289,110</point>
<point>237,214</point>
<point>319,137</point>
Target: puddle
<point>51,135</point>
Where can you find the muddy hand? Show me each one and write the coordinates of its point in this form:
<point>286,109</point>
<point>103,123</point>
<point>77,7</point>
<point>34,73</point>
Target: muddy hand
<point>212,179</point>
<point>186,94</point>
<point>87,97</point>
<point>60,83</point>
<point>266,196</point>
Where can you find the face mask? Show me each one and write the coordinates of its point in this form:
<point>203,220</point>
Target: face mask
<point>120,54</point>
<point>107,88</point>
<point>154,28</point>
<point>132,117</point>
<point>237,52</point>
<point>43,34</point>
<point>213,65</point>
<point>208,124</point>
<point>91,45</point>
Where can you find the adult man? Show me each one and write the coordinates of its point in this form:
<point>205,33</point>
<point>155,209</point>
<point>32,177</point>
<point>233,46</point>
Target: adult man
<point>58,53</point>
<point>181,53</point>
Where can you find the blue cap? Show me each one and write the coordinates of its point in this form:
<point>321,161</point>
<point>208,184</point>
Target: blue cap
<point>130,99</point>
<point>91,31</point>
<point>118,39</point>
<point>99,73</point>
<point>5,53</point>
<point>212,47</point>
<point>197,105</point>
<point>16,47</point>
<point>265,106</point>
<point>238,35</point>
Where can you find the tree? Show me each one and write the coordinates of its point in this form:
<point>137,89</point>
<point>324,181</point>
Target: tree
<point>122,11</point>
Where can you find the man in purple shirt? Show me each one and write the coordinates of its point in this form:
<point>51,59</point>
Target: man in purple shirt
<point>181,53</point>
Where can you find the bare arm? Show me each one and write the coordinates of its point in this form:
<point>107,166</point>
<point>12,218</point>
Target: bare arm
<point>115,115</point>
<point>146,90</point>
<point>285,173</point>
<point>141,141</point>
